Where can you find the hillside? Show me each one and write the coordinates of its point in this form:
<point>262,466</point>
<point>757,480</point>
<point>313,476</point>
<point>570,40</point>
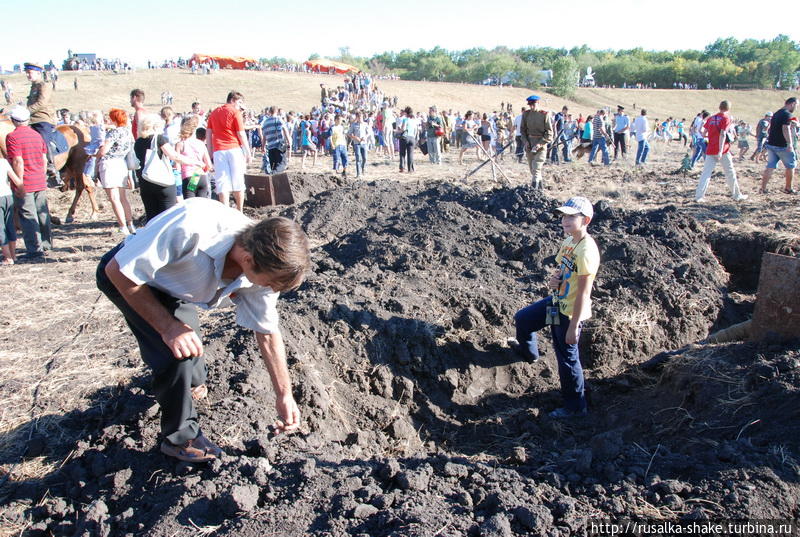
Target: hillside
<point>300,91</point>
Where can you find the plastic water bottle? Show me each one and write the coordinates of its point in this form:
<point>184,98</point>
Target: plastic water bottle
<point>191,186</point>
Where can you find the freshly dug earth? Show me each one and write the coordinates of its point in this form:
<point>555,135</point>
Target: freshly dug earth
<point>417,418</point>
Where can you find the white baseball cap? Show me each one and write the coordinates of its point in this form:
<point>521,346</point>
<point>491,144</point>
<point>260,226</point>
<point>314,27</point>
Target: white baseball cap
<point>20,114</point>
<point>577,205</point>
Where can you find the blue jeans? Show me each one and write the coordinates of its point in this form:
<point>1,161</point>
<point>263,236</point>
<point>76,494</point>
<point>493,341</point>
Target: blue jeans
<point>601,144</point>
<point>530,320</point>
<point>699,150</point>
<point>361,157</point>
<point>339,157</point>
<point>642,151</point>
<point>777,154</point>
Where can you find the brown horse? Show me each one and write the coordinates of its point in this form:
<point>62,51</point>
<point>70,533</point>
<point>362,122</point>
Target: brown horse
<point>70,163</point>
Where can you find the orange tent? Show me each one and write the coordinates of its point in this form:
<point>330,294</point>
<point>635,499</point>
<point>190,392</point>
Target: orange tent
<point>225,62</point>
<point>325,66</point>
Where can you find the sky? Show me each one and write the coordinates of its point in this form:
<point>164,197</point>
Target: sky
<point>156,30</point>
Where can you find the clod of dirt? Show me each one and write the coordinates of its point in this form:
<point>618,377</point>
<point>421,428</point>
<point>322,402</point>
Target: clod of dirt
<point>240,499</point>
<point>536,518</point>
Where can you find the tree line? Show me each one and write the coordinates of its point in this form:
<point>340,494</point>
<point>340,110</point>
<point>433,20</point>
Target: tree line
<point>726,62</point>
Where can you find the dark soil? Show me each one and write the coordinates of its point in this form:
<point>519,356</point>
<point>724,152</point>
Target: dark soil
<point>418,420</point>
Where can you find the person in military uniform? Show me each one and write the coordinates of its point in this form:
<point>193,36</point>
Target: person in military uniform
<point>537,131</point>
<point>42,114</point>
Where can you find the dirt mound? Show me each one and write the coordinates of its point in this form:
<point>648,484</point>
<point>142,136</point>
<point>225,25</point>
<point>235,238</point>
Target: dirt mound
<point>419,421</point>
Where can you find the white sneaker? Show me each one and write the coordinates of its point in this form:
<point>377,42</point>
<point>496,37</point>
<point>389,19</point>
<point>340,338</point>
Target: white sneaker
<point>741,197</point>
<point>124,230</point>
<point>700,200</point>
<point>131,228</point>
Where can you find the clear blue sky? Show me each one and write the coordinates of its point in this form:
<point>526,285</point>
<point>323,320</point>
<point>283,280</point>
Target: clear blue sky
<point>141,30</point>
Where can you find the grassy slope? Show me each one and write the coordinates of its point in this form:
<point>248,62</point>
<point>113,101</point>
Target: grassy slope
<point>299,91</point>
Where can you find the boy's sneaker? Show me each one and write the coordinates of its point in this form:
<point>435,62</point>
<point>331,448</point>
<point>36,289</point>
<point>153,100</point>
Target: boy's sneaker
<point>520,351</point>
<point>563,413</point>
<point>740,197</point>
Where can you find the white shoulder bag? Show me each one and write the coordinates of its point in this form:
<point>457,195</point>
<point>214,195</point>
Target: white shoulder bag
<point>157,170</point>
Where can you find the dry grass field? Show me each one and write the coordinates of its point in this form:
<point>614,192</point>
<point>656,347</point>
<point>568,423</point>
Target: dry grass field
<point>300,91</point>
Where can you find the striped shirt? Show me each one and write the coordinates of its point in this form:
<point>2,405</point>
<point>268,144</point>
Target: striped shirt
<point>598,127</point>
<point>272,128</point>
<point>182,252</point>
<point>27,143</point>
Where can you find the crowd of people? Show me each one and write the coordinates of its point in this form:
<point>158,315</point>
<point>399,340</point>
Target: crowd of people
<point>207,153</point>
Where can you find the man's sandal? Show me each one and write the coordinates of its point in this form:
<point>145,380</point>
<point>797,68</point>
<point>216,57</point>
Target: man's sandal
<point>199,449</point>
<point>200,392</point>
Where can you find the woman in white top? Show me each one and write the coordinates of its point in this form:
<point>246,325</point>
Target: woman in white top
<point>407,130</point>
<point>469,126</point>
<point>114,175</point>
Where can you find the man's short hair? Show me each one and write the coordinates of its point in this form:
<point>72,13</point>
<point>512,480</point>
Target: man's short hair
<point>138,94</point>
<point>644,112</point>
<point>725,105</point>
<point>272,110</point>
<point>234,96</point>
<point>278,246</point>
<point>791,100</point>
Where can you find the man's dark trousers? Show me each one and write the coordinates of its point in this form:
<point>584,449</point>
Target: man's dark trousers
<point>172,378</point>
<point>519,151</point>
<point>277,160</point>
<point>530,320</point>
<point>620,144</point>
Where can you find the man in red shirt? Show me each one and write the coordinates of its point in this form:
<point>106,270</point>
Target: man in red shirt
<point>716,129</point>
<point>227,142</point>
<point>28,156</point>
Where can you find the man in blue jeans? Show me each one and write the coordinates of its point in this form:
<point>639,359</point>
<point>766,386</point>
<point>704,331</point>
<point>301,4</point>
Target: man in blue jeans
<point>599,137</point>
<point>359,133</point>
<point>568,306</point>
<point>780,146</point>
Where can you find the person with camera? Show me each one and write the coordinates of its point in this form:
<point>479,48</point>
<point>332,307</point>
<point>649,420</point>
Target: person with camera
<point>568,305</point>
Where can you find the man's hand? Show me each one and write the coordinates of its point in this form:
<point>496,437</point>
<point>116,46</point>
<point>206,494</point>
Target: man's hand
<point>571,337</point>
<point>289,413</point>
<point>182,340</point>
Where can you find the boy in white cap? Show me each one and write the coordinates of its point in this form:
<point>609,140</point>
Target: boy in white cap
<point>566,308</point>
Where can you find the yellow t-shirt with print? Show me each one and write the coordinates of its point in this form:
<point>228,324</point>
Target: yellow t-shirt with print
<point>575,259</point>
<point>337,136</point>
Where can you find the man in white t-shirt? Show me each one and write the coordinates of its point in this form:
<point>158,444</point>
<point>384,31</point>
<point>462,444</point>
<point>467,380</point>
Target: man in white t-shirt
<point>202,252</point>
<point>640,128</point>
<point>388,129</point>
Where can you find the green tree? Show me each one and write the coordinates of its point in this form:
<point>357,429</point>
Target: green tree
<point>439,67</point>
<point>565,76</point>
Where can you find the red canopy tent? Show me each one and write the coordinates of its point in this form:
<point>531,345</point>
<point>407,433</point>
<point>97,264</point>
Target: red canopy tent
<point>326,66</point>
<point>225,62</point>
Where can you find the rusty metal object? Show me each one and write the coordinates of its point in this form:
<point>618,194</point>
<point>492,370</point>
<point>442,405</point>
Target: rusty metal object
<point>263,190</point>
<point>777,310</point>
